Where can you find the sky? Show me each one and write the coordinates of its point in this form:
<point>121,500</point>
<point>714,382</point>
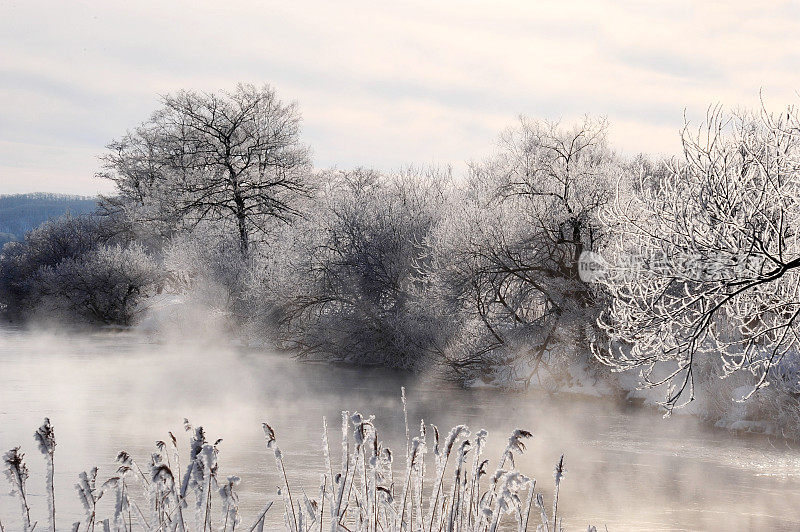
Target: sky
<point>381,84</point>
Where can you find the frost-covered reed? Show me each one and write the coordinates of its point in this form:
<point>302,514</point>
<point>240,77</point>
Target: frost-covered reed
<point>46,438</point>
<point>17,473</point>
<point>367,493</point>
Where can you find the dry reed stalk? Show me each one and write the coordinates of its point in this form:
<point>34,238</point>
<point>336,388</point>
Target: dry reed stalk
<point>45,437</point>
<point>362,496</point>
<point>17,474</point>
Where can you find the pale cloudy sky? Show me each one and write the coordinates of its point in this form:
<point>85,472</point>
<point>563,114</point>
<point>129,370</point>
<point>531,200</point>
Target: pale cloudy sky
<point>379,83</point>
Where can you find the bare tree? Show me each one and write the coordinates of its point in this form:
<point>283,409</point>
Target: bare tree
<point>350,289</point>
<point>706,263</point>
<point>234,156</point>
<point>510,250</point>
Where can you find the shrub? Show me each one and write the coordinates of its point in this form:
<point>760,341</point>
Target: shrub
<point>69,270</point>
<point>106,285</point>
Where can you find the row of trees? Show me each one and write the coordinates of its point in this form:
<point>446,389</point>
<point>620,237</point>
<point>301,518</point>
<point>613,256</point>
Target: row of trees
<point>481,275</point>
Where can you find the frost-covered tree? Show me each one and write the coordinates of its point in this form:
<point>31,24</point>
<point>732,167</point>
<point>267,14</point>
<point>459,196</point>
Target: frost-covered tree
<point>509,250</point>
<point>205,264</point>
<point>706,264</point>
<point>233,156</point>
<point>348,276</point>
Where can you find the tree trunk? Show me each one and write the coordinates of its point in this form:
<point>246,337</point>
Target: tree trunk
<point>244,244</point>
<point>241,217</point>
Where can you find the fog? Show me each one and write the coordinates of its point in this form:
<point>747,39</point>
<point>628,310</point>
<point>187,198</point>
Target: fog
<point>627,467</point>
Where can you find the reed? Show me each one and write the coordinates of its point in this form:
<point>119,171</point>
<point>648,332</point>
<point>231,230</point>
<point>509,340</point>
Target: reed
<point>17,474</point>
<point>46,438</point>
<point>364,496</point>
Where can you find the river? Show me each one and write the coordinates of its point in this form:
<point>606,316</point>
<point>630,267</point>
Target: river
<point>626,467</point>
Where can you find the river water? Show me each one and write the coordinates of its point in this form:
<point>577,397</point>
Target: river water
<point>627,467</point>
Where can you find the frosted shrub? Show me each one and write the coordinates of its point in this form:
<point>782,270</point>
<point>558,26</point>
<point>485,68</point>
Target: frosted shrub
<point>206,263</point>
<point>360,262</point>
<point>21,263</point>
<point>107,285</point>
<point>69,269</point>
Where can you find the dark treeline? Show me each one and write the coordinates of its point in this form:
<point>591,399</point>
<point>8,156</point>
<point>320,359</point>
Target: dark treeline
<point>20,213</point>
<point>479,276</point>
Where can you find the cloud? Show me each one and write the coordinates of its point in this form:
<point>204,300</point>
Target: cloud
<point>380,84</point>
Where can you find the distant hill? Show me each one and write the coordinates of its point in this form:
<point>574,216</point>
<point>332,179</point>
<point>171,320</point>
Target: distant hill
<point>19,213</point>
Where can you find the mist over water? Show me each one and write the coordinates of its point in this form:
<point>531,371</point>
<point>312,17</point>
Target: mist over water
<point>627,467</point>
